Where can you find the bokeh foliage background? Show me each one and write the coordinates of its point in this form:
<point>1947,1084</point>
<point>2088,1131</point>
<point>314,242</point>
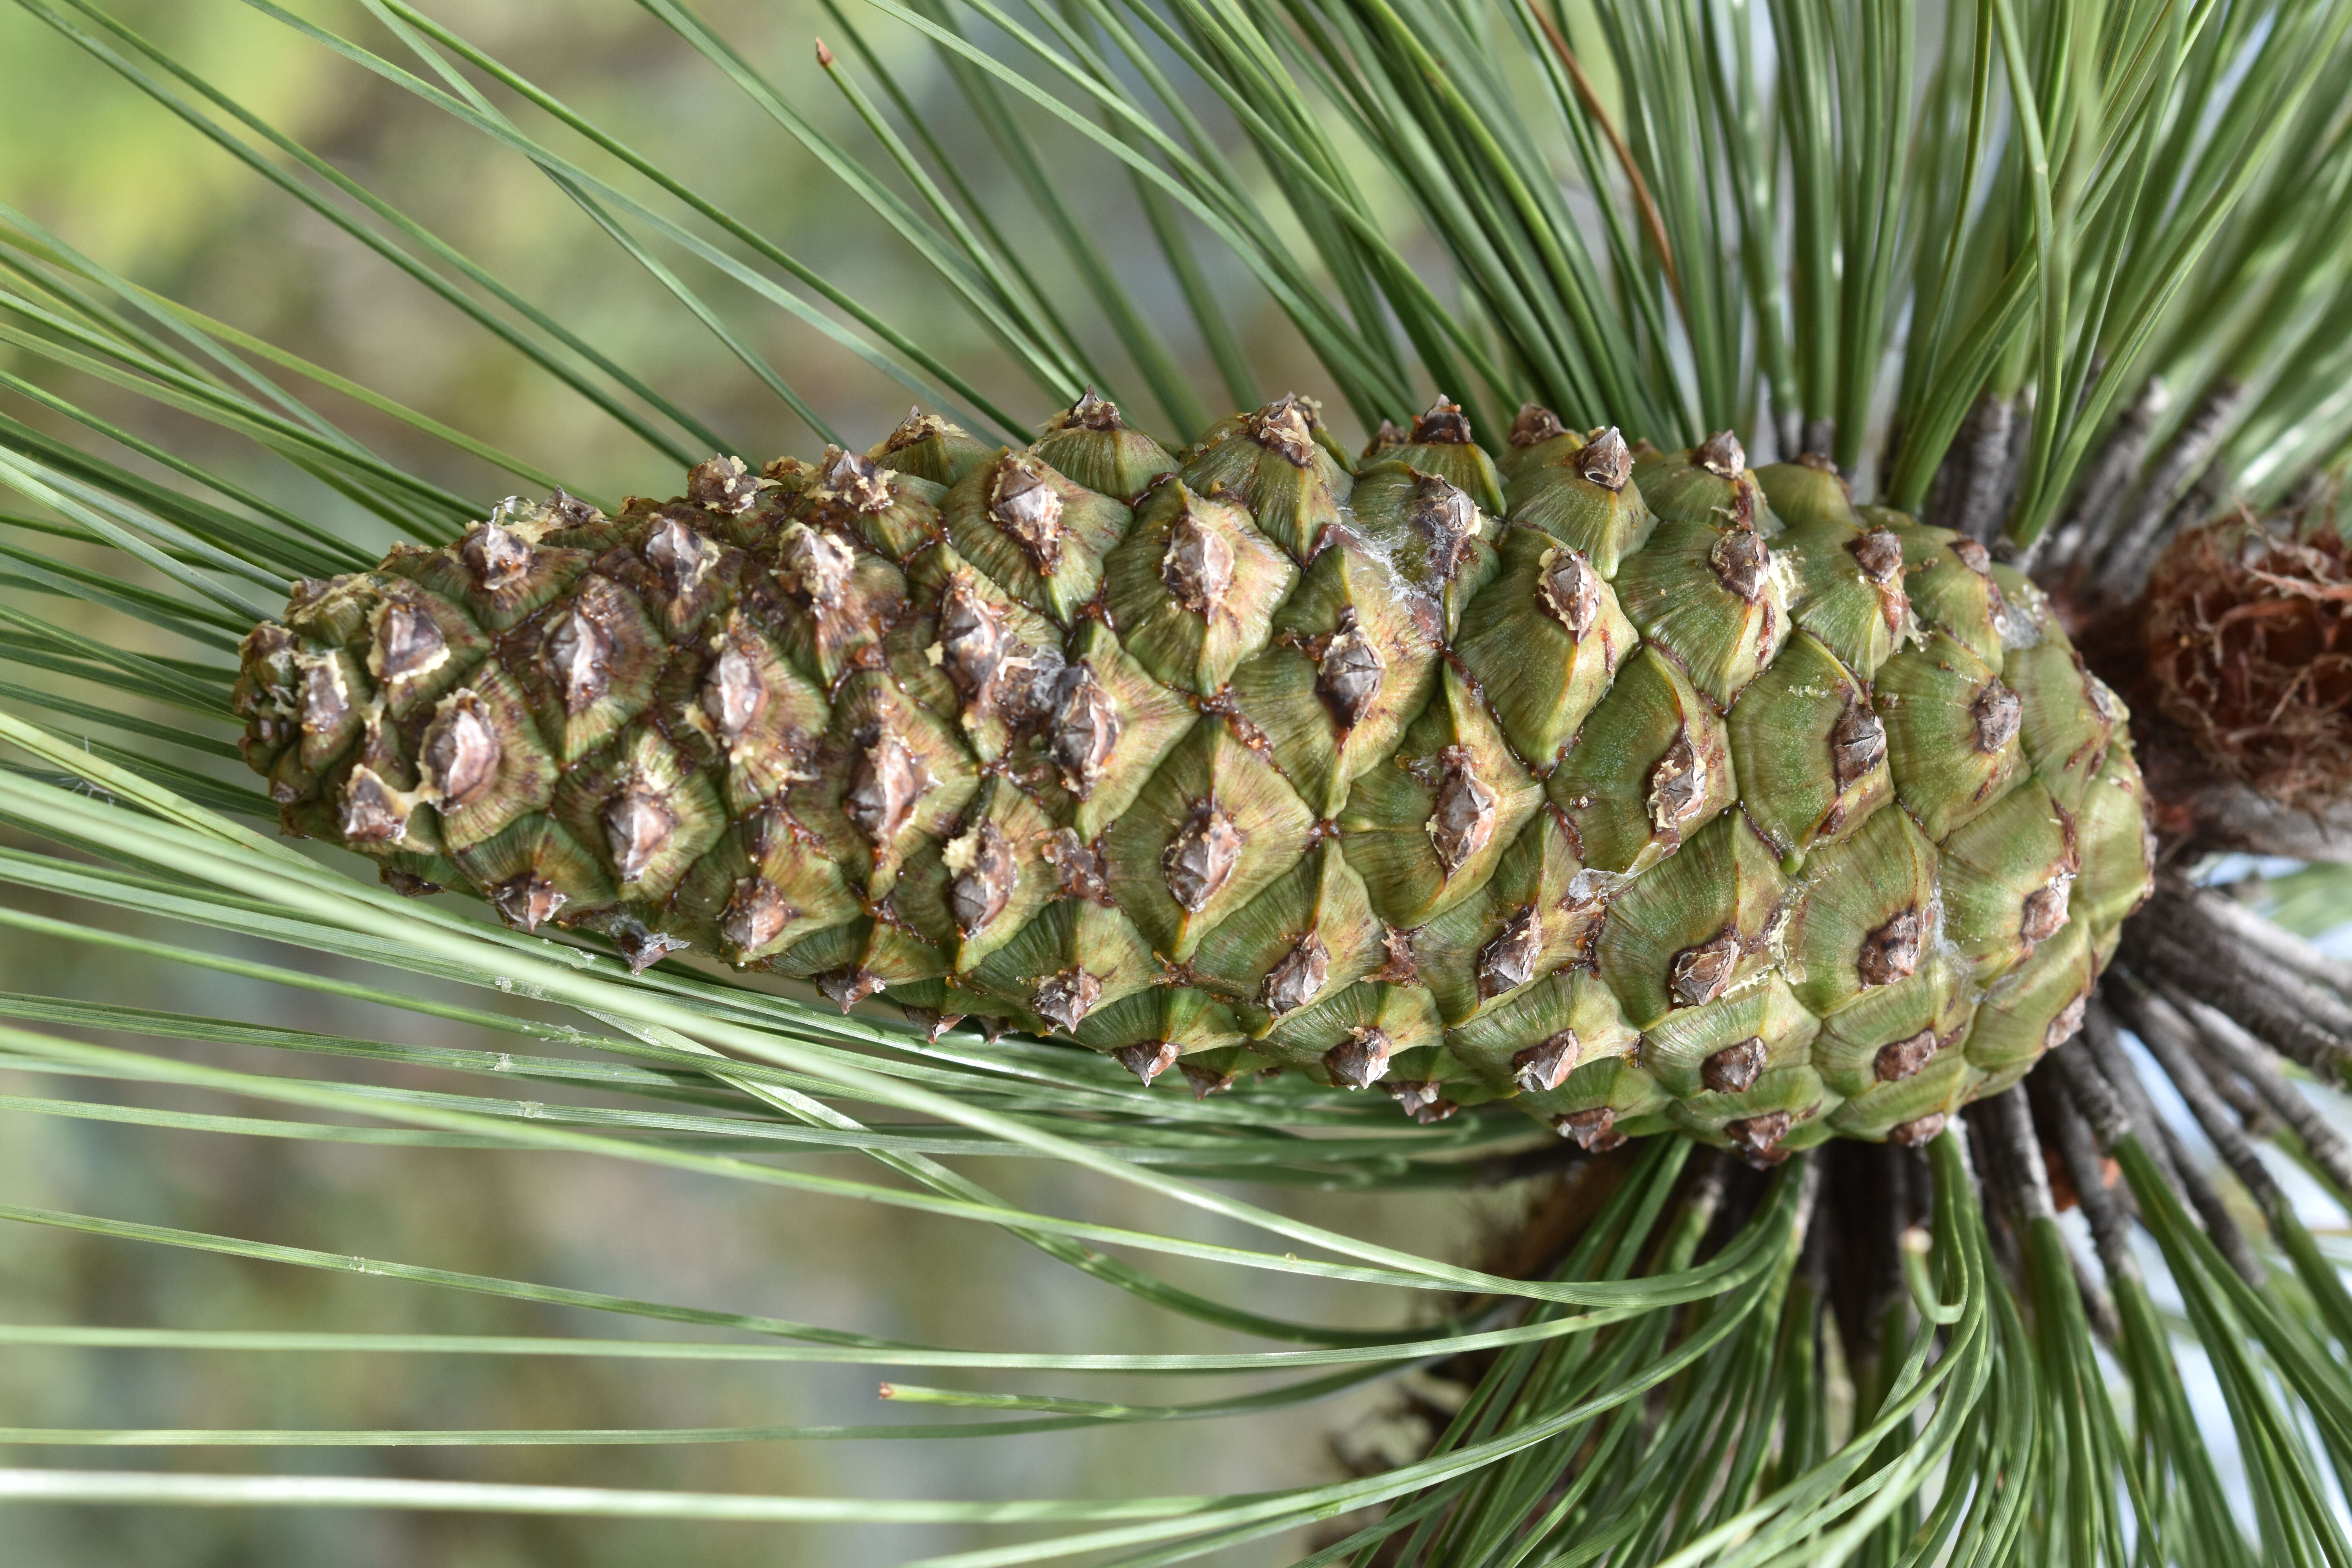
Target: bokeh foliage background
<point>115,175</point>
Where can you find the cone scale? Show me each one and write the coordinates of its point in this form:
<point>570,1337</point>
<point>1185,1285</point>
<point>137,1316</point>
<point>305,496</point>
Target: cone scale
<point>1645,789</point>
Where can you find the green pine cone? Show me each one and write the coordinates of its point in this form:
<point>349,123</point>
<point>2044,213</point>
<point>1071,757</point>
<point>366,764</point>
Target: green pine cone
<point>1641,788</point>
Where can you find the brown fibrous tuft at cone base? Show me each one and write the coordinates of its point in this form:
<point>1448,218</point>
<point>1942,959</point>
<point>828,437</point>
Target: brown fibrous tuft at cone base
<point>2248,632</point>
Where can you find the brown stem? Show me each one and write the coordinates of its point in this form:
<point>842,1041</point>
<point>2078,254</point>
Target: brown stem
<point>1653,224</point>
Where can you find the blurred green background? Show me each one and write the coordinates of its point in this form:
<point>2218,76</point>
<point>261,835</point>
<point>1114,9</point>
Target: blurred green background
<point>117,176</point>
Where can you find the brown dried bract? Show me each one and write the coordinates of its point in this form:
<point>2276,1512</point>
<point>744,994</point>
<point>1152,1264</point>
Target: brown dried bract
<point>1205,1079</point>
<point>1569,590</point>
<point>2248,629</point>
<point>373,812</point>
<point>1462,822</point>
<point>846,988</point>
<point>639,823</point>
<point>974,639</point>
<point>1198,566</point>
<point>1084,730</point>
<point>1422,1100</point>
<point>755,916</point>
<point>1298,979</point>
<point>722,485</point>
<point>578,654</point>
<point>460,751</point>
<point>1078,869</point>
<point>2043,913</point>
<point>1022,503</point>
<point>1535,424</point>
<point>733,695</point>
<point>1361,1060</point>
<point>407,642</point>
<point>528,899</point>
<point>1697,975</point>
<point>1444,515</point>
<point>1092,411</point>
<point>1997,714</point>
<point>1606,460</point>
<point>1349,674</point>
<point>1202,856</point>
<point>1892,951</point>
<point>1857,745</point>
<point>1879,554</point>
<point>2069,1019</point>
<point>1734,1067</point>
<point>886,781</point>
<point>861,486</point>
<point>1595,1131</point>
<point>1284,428</point>
<point>498,557</point>
<point>1148,1059</point>
<point>1721,455</point>
<point>1063,1000</point>
<point>680,555</point>
<point>815,565</point>
<point>1443,423</point>
<point>1757,1138</point>
<point>1899,1060</point>
<point>986,873</point>
<point>1509,960</point>
<point>1678,787</point>
<point>1546,1064</point>
<point>1742,563</point>
<point>1400,965</point>
<point>641,948</point>
<point>325,701</point>
<point>1919,1131</point>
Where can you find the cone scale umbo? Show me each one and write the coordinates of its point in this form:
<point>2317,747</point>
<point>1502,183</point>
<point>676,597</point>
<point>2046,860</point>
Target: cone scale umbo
<point>1641,788</point>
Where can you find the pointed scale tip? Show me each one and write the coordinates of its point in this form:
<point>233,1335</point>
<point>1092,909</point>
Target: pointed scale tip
<point>1535,424</point>
<point>1443,423</point>
<point>1606,460</point>
<point>1721,455</point>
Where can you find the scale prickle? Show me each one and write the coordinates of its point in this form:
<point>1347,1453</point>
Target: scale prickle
<point>1643,789</point>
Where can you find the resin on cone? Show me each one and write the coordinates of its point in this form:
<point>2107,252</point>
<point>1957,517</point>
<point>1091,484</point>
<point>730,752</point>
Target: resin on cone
<point>1642,788</point>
